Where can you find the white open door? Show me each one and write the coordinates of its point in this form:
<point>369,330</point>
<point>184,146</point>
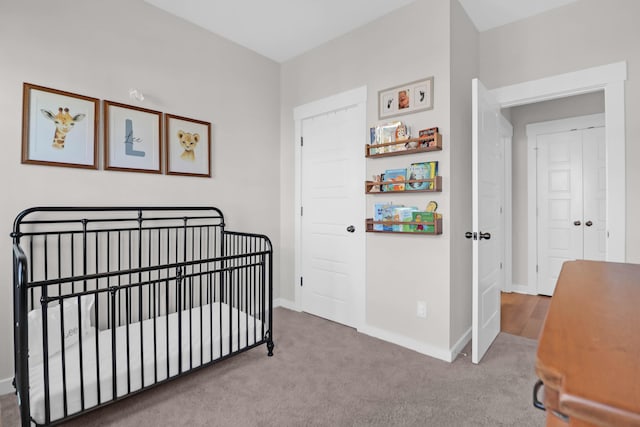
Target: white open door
<point>487,188</point>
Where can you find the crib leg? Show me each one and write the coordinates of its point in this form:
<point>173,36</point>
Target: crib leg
<point>270,345</point>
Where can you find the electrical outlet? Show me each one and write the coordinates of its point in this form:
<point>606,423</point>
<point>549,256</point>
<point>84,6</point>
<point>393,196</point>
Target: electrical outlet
<point>422,309</point>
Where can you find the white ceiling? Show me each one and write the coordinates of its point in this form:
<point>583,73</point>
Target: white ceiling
<point>487,14</point>
<point>283,29</point>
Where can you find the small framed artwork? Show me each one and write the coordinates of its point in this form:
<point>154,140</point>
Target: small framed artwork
<point>188,143</point>
<point>132,138</point>
<point>406,99</point>
<point>59,128</point>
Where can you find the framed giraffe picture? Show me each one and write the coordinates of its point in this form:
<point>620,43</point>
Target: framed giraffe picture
<point>188,146</point>
<point>132,138</point>
<point>59,128</point>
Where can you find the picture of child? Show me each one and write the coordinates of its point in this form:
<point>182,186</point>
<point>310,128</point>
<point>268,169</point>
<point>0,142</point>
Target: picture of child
<point>403,99</point>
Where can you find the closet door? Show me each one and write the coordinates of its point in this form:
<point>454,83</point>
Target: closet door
<point>560,205</point>
<point>571,201</point>
<point>595,194</point>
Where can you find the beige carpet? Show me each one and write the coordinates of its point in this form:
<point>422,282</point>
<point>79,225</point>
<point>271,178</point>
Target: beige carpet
<point>325,374</point>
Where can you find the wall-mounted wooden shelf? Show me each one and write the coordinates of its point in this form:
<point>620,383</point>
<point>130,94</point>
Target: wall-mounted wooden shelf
<point>437,225</point>
<point>400,148</point>
<point>437,187</point>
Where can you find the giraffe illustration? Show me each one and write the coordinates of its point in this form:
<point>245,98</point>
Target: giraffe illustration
<point>64,123</point>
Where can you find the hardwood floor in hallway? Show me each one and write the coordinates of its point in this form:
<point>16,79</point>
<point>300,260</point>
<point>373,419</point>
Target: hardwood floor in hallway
<point>523,315</point>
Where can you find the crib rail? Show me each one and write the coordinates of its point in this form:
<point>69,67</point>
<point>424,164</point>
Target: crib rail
<point>108,280</point>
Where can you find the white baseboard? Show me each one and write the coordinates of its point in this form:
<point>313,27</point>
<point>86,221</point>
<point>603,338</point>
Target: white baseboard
<point>285,303</point>
<point>457,348</point>
<point>409,343</point>
<point>6,386</point>
<point>523,289</point>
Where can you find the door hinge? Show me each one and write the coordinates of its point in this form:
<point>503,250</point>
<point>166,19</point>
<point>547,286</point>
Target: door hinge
<point>301,282</point>
<point>500,266</point>
<point>301,211</point>
<point>536,268</point>
<point>301,142</point>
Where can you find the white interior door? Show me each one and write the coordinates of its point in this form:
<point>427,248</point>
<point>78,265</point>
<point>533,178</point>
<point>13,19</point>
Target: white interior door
<point>595,193</point>
<point>332,231</point>
<point>559,195</point>
<point>571,198</point>
<point>487,189</point>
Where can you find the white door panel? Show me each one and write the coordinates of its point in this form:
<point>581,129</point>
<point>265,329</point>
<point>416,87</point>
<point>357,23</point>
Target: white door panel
<point>559,205</point>
<point>487,193</point>
<point>571,199</point>
<point>331,202</point>
<point>595,194</point>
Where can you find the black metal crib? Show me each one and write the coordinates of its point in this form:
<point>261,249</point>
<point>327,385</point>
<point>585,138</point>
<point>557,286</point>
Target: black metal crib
<point>110,301</point>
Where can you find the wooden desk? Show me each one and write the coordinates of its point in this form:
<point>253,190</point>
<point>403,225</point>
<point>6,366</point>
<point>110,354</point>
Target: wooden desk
<point>589,349</point>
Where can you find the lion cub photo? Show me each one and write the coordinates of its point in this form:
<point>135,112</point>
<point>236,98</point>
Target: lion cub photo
<point>188,141</point>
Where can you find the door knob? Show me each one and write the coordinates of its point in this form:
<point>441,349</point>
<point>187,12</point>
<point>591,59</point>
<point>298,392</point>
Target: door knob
<point>468,235</point>
<point>577,223</point>
<point>351,229</point>
<point>588,223</point>
<point>485,236</point>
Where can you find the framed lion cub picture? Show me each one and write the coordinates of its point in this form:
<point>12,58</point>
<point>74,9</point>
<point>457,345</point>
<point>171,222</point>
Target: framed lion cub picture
<point>188,146</point>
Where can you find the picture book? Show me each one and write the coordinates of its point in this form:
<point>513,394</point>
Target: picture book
<point>378,215</point>
<point>418,171</point>
<point>373,140</point>
<point>427,136</point>
<point>427,218</point>
<point>397,176</point>
<point>384,212</point>
<point>403,215</point>
<point>388,214</point>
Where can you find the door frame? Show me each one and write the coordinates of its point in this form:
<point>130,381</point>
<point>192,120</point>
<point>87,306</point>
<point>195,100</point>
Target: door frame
<point>326,105</point>
<point>532,132</point>
<point>506,134</point>
<point>610,78</point>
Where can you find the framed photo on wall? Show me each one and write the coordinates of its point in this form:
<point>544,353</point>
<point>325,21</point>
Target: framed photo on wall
<point>132,138</point>
<point>59,128</point>
<point>406,99</point>
<point>188,146</point>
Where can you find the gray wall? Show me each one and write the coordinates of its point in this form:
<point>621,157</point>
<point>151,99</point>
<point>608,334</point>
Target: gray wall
<point>101,49</point>
<point>521,116</point>
<point>404,46</point>
<point>580,35</point>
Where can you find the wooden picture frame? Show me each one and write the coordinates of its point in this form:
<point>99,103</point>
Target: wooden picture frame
<point>188,146</point>
<point>132,138</point>
<point>408,98</point>
<point>59,128</point>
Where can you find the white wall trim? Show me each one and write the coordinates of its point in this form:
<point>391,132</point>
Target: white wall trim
<point>533,131</point>
<point>285,303</point>
<point>6,386</point>
<point>336,102</point>
<point>410,343</point>
<point>563,125</point>
<point>506,132</point>
<point>561,85</point>
<point>460,344</point>
<point>609,78</point>
<point>522,289</point>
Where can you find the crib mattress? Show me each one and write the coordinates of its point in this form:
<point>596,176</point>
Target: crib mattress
<point>139,361</point>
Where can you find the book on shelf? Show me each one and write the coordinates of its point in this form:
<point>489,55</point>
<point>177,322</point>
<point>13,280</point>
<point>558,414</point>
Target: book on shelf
<point>397,177</point>
<point>420,217</point>
<point>382,212</point>
<point>428,135</point>
<point>422,170</point>
<point>403,215</point>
